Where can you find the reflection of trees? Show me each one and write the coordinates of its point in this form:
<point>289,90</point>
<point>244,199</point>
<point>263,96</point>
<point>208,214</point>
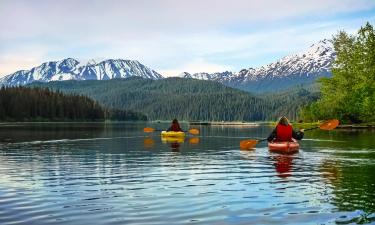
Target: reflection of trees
<point>354,184</point>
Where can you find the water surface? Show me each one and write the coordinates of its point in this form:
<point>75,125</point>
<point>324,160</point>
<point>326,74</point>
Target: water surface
<point>95,173</point>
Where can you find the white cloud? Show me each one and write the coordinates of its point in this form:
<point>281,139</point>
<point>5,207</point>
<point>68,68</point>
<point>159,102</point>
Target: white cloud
<point>167,35</point>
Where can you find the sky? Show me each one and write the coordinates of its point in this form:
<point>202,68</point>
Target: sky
<point>171,36</point>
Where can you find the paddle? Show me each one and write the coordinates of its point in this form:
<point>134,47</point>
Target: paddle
<point>327,125</point>
<point>191,131</point>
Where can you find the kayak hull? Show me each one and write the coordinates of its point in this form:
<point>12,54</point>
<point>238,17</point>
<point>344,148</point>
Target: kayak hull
<point>175,134</point>
<point>287,147</point>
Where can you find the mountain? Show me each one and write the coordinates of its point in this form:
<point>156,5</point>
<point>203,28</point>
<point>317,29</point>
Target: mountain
<point>165,99</point>
<point>72,69</point>
<point>296,69</point>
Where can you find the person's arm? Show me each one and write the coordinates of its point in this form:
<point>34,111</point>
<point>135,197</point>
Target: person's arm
<point>298,135</point>
<point>272,136</point>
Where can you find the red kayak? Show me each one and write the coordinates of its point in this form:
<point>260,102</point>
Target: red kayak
<point>284,147</point>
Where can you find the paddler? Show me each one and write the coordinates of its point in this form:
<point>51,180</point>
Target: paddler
<point>284,132</point>
<point>175,126</point>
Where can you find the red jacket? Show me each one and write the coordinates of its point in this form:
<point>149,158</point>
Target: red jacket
<point>284,133</point>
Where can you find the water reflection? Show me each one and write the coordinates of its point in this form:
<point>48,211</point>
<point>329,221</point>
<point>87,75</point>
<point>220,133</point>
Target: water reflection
<point>108,178</point>
<point>283,164</point>
<point>194,140</point>
<point>148,143</point>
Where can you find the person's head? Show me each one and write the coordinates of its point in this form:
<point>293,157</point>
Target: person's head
<point>283,121</point>
<point>175,121</point>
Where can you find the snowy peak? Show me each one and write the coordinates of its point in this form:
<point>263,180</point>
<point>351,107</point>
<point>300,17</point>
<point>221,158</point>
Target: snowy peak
<point>218,76</point>
<point>303,67</point>
<point>72,69</point>
<point>185,75</point>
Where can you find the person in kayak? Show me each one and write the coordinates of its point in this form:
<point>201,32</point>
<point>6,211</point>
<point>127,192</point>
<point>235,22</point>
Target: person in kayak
<point>175,126</point>
<point>284,132</point>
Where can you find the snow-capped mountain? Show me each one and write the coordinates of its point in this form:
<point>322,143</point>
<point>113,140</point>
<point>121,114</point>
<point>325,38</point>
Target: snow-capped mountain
<point>72,69</point>
<point>220,76</point>
<point>301,68</point>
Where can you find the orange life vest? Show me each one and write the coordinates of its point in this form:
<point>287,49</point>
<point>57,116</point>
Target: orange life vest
<point>284,133</point>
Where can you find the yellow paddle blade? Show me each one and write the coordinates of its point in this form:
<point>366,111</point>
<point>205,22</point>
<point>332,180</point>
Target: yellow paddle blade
<point>148,129</point>
<point>329,125</point>
<point>194,131</point>
<point>248,144</point>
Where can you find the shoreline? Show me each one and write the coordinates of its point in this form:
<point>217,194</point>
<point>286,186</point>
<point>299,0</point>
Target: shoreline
<point>370,125</point>
<point>227,123</point>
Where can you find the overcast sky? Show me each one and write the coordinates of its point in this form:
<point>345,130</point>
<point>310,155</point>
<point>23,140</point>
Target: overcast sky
<point>171,36</point>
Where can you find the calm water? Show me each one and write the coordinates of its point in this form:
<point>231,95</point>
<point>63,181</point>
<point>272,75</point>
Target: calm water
<point>116,174</point>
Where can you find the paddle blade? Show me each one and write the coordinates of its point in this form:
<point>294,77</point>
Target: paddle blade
<point>194,131</point>
<point>248,144</point>
<point>329,125</point>
<point>148,129</point>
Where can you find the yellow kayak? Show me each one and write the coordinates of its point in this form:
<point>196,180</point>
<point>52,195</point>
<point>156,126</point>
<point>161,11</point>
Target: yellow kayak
<point>178,134</point>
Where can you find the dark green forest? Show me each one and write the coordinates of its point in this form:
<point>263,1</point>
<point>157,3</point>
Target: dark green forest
<point>292,101</point>
<point>39,104</point>
<point>186,99</point>
<point>349,95</point>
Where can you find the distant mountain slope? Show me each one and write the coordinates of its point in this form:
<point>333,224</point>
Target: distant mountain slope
<point>72,69</point>
<point>301,68</point>
<point>289,102</point>
<point>187,99</point>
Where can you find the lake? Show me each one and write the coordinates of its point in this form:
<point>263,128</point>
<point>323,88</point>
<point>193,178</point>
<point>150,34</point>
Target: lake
<point>114,173</point>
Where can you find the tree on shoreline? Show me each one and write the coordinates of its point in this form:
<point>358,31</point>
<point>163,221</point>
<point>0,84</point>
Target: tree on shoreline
<point>349,94</point>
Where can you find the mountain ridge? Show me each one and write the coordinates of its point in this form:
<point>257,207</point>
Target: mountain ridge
<point>300,68</point>
<point>72,69</point>
<point>303,67</point>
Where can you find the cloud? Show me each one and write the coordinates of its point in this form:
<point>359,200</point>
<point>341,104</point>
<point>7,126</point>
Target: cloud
<point>83,17</point>
<point>169,35</point>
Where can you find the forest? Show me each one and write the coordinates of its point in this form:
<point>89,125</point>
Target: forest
<point>187,99</point>
<point>42,104</point>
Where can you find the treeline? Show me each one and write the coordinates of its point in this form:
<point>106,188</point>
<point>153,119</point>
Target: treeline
<point>185,99</point>
<point>349,94</point>
<point>41,104</point>
<point>291,102</point>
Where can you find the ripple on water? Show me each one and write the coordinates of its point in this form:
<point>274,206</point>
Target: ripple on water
<point>111,181</point>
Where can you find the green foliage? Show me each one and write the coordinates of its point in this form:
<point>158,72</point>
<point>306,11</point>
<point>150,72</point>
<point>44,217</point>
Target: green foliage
<point>290,103</point>
<point>185,99</point>
<point>350,94</point>
<point>38,104</point>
